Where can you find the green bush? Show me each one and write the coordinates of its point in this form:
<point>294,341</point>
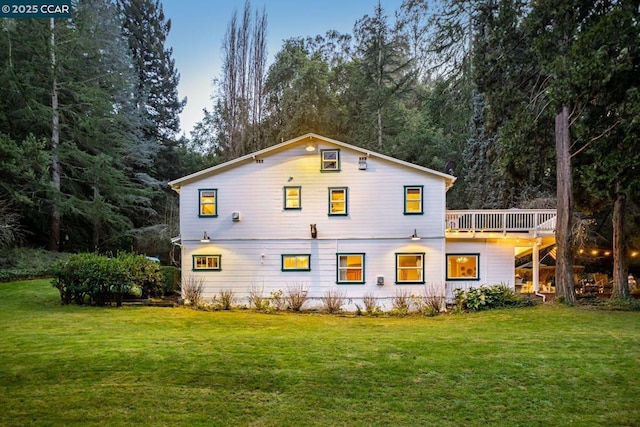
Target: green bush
<point>489,297</point>
<point>100,280</point>
<point>27,263</point>
<point>171,279</point>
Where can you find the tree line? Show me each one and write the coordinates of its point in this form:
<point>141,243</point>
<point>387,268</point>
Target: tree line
<point>535,103</point>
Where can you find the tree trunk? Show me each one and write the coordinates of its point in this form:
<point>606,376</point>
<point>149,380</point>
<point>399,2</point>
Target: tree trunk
<point>620,278</point>
<point>564,262</point>
<point>56,218</point>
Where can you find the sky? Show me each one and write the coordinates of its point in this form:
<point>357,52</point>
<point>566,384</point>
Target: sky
<point>198,28</point>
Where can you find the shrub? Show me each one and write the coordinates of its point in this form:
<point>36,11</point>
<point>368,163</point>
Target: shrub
<point>333,300</point>
<point>278,300</point>
<point>103,280</point>
<point>371,307</point>
<point>192,288</point>
<point>401,303</point>
<point>488,297</point>
<point>171,279</point>
<point>296,297</point>
<point>224,300</point>
<point>257,299</point>
<point>144,273</point>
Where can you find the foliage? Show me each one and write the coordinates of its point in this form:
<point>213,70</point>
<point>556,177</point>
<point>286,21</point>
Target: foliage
<point>191,288</point>
<point>371,307</point>
<point>278,300</point>
<point>489,297</point>
<point>27,263</point>
<point>333,300</point>
<point>296,296</point>
<point>401,303</point>
<point>101,280</point>
<point>257,299</point>
<point>224,300</point>
<point>171,279</point>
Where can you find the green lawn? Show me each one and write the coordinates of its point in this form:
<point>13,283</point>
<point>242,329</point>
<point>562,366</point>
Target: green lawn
<point>541,366</point>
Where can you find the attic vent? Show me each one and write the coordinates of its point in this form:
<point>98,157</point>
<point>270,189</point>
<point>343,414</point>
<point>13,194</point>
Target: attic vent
<point>362,163</point>
<point>259,160</point>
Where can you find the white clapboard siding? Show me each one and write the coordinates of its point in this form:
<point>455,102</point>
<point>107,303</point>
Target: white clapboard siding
<point>247,264</point>
<point>256,191</point>
<point>496,265</point>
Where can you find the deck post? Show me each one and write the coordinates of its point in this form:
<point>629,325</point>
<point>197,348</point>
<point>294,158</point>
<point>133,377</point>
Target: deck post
<point>536,266</point>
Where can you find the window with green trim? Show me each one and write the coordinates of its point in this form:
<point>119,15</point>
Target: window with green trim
<point>208,202</point>
<point>350,268</point>
<point>413,200</point>
<point>463,267</point>
<point>296,262</point>
<point>207,262</point>
<point>338,203</point>
<point>293,197</point>
<point>330,160</point>
<point>409,268</point>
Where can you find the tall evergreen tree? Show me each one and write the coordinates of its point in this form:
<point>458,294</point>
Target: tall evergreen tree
<point>383,74</point>
<point>146,29</point>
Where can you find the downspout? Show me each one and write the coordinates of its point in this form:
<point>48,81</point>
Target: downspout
<point>536,270</point>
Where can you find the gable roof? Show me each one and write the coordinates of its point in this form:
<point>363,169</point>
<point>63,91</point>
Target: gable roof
<point>177,183</point>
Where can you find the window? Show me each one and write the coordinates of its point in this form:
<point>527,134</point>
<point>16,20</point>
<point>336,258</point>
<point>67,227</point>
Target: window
<point>208,202</point>
<point>338,201</point>
<point>296,262</point>
<point>350,268</point>
<point>206,262</point>
<point>410,268</point>
<point>292,197</point>
<point>330,160</point>
<point>462,267</point>
<point>413,200</point>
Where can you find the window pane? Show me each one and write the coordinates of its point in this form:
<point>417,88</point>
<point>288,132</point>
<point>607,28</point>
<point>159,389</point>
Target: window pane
<point>303,262</point>
<point>329,155</point>
<point>289,262</point>
<point>413,194</point>
<point>338,198</point>
<point>413,199</point>
<point>293,197</point>
<point>462,266</point>
<point>208,210</point>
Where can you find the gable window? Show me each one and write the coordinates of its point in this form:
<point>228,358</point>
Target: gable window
<point>299,262</point>
<point>463,267</point>
<point>350,268</point>
<point>338,203</point>
<point>208,202</point>
<point>330,160</point>
<point>292,197</point>
<point>413,200</point>
<point>410,267</point>
<point>206,262</point>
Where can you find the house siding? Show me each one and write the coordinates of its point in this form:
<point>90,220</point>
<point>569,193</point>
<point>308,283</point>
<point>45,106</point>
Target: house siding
<point>257,264</point>
<point>496,265</point>
<point>255,190</point>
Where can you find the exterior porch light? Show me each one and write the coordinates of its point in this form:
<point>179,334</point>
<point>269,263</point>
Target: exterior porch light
<point>205,238</point>
<point>310,147</point>
<point>415,236</point>
<point>314,231</point>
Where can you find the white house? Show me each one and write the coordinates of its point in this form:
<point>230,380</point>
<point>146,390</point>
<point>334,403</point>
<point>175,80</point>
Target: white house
<point>317,213</point>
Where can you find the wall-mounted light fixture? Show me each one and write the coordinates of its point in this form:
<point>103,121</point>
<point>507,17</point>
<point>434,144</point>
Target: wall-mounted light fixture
<point>314,231</point>
<point>415,236</point>
<point>310,147</point>
<point>205,238</point>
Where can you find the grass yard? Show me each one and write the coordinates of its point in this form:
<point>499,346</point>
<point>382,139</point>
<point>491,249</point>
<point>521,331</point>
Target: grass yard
<point>540,366</point>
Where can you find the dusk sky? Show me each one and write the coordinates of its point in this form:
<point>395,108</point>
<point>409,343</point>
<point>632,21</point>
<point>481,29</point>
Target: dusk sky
<point>198,28</point>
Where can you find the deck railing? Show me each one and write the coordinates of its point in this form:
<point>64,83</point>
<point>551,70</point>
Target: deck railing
<point>508,220</point>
